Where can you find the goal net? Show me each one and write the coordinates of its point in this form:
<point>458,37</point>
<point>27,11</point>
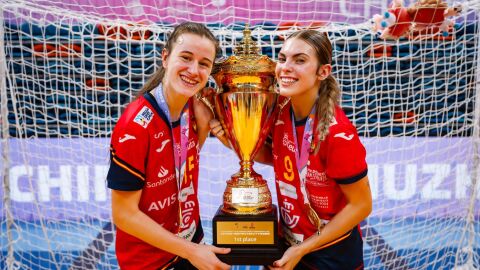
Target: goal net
<point>68,68</point>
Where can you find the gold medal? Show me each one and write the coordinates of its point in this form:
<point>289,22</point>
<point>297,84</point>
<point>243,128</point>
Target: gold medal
<point>313,217</point>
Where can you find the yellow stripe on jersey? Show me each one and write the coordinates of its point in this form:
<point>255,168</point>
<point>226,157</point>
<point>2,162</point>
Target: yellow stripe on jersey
<point>334,241</point>
<point>170,263</point>
<point>119,163</point>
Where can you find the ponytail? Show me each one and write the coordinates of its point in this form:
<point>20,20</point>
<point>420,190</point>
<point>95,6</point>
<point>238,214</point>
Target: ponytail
<point>153,82</point>
<point>328,99</point>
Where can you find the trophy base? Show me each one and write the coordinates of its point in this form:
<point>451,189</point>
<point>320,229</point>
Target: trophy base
<point>253,239</point>
<point>251,256</point>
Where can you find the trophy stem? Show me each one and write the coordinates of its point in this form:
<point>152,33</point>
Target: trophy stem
<point>246,170</point>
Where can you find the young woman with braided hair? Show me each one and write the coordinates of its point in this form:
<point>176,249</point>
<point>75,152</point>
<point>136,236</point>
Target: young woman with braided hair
<point>319,162</point>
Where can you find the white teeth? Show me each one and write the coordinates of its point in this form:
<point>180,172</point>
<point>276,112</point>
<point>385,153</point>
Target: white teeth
<point>187,80</point>
<point>288,80</point>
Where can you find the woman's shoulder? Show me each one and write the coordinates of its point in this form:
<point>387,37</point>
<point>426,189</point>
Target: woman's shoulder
<point>135,106</point>
<point>340,122</point>
<point>138,113</point>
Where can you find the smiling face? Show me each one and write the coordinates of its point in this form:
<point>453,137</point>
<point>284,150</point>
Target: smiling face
<point>188,64</point>
<point>296,69</point>
<point>299,73</point>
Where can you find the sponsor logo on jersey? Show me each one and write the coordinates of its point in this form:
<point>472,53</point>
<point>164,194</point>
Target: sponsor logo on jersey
<point>144,116</point>
<point>162,172</point>
<point>161,182</point>
<point>287,190</point>
<point>290,220</point>
<point>125,138</point>
<point>187,214</point>
<point>316,178</point>
<point>344,136</point>
<point>289,144</point>
<point>158,135</point>
<point>161,204</point>
<point>160,149</point>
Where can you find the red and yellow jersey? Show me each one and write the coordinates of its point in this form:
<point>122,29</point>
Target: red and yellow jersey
<point>340,160</point>
<point>142,158</point>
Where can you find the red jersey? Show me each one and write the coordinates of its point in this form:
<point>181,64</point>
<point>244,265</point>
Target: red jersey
<point>341,160</point>
<point>142,158</point>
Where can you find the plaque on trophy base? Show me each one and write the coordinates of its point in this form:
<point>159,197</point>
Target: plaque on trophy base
<point>253,239</point>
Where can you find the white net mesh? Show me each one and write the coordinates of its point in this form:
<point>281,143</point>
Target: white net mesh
<point>69,67</point>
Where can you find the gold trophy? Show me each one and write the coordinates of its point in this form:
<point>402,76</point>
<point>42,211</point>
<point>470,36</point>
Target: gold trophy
<point>245,104</point>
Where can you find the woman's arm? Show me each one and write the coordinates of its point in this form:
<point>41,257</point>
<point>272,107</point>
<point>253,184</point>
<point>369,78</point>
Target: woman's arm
<point>217,130</point>
<point>128,217</point>
<point>359,206</point>
<point>203,115</point>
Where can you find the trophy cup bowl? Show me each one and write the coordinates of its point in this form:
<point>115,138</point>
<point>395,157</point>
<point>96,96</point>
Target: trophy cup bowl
<point>246,113</point>
<point>245,105</point>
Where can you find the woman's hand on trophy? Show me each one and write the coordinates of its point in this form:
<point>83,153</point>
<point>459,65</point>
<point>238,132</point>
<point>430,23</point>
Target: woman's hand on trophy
<point>203,257</point>
<point>216,129</point>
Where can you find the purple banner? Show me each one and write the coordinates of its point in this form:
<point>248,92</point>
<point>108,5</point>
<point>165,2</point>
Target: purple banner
<point>58,178</point>
<point>421,176</point>
<point>65,178</point>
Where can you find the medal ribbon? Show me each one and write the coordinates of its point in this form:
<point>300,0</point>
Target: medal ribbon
<point>179,155</point>
<point>302,155</point>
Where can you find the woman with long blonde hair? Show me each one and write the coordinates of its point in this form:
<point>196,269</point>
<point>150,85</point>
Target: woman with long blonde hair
<point>319,162</point>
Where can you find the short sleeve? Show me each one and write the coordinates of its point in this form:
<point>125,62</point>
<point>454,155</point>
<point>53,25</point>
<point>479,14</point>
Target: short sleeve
<point>128,155</point>
<point>345,160</point>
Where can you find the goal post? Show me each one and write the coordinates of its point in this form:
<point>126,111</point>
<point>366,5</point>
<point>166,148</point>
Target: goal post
<point>68,69</point>
<point>469,231</point>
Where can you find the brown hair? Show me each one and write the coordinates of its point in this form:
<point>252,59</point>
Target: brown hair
<point>183,28</point>
<point>329,91</point>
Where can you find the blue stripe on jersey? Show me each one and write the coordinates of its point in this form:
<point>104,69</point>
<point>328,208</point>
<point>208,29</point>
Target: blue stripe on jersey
<point>119,178</point>
<point>353,179</point>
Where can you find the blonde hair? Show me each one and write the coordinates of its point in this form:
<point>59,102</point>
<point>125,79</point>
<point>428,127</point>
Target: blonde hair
<point>329,91</point>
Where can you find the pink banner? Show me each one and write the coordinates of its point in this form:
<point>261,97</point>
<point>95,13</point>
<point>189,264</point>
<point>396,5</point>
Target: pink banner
<point>224,11</point>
